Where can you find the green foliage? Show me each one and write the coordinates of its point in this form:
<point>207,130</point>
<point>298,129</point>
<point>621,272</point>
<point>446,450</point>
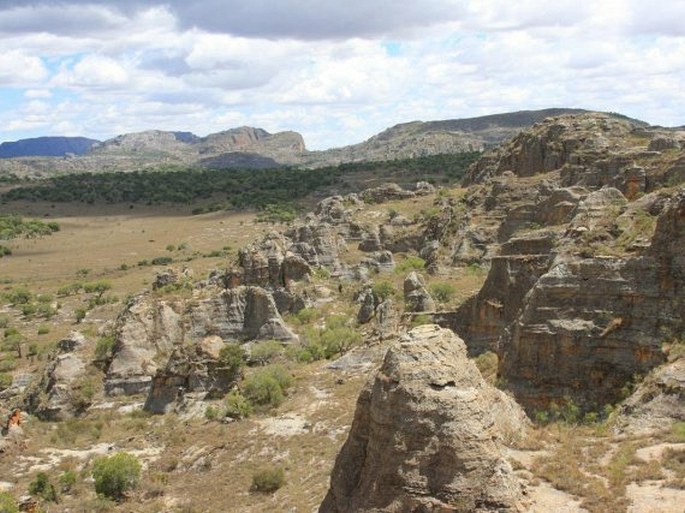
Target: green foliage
<point>4,321</point>
<point>104,347</point>
<point>5,380</point>
<point>13,226</point>
<point>443,292</point>
<point>476,269</point>
<point>115,475</point>
<point>265,351</point>
<point>212,412</point>
<point>43,488</point>
<point>67,481</point>
<point>232,358</point>
<point>678,431</point>
<point>306,315</point>
<point>19,296</point>
<point>7,503</point>
<point>267,386</point>
<point>97,287</point>
<point>420,320</point>
<point>162,260</point>
<point>383,290</point>
<point>268,480</point>
<point>70,289</point>
<point>237,406</point>
<point>5,251</point>
<point>278,213</point>
<point>80,314</point>
<point>8,364</point>
<point>339,339</point>
<point>412,263</point>
<point>240,188</point>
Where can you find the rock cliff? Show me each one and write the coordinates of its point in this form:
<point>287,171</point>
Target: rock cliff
<point>426,435</point>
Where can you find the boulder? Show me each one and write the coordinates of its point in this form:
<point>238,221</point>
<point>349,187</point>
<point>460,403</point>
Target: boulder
<point>416,296</point>
<point>58,395</point>
<point>385,192</point>
<point>425,436</point>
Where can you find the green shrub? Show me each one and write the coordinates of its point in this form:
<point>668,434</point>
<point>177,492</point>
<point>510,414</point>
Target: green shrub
<point>420,320</point>
<point>19,296</point>
<point>232,358</point>
<point>67,481</point>
<point>5,251</point>
<point>339,340</point>
<point>7,503</point>
<point>268,480</point>
<point>237,406</point>
<point>212,412</point>
<point>104,347</point>
<point>383,290</point>
<point>267,386</point>
<point>69,290</point>
<point>8,364</point>
<point>442,292</point>
<point>4,321</point>
<point>162,260</point>
<point>5,380</point>
<point>412,263</point>
<point>43,329</point>
<point>43,488</point>
<point>306,315</point>
<point>115,475</point>
<point>265,351</point>
<point>80,314</point>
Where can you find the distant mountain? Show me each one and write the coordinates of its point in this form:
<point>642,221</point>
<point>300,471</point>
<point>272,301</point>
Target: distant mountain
<point>46,147</point>
<point>248,147</point>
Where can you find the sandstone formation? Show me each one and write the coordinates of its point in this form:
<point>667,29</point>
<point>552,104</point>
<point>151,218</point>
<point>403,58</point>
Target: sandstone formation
<point>149,330</point>
<point>585,270</point>
<point>191,369</point>
<point>425,436</point>
<point>58,394</point>
<point>416,296</point>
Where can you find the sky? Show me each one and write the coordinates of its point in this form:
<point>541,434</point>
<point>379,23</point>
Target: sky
<point>336,71</point>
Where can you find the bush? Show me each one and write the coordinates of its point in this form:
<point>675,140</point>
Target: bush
<point>212,412</point>
<point>162,260</point>
<point>5,381</point>
<point>67,481</point>
<point>232,358</point>
<point>19,296</point>
<point>306,315</point>
<point>237,406</point>
<point>43,329</point>
<point>265,351</point>
<point>104,347</point>
<point>412,263</point>
<point>268,480</point>
<point>115,475</point>
<point>443,292</point>
<point>80,314</point>
<point>5,251</point>
<point>383,290</point>
<point>7,503</point>
<point>43,488</point>
<point>267,386</point>
<point>339,340</point>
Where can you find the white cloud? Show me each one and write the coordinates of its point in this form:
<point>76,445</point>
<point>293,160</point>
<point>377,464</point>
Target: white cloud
<point>18,69</point>
<point>339,72</point>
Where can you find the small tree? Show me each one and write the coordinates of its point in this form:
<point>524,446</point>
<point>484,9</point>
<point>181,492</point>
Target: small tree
<point>231,358</point>
<point>43,488</point>
<point>115,475</point>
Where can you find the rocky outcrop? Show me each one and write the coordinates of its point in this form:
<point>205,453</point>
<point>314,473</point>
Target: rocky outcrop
<point>191,369</point>
<point>145,333</point>
<point>59,395</point>
<point>149,330</point>
<point>416,296</point>
<point>657,402</point>
<point>385,192</point>
<point>425,436</point>
<point>241,313</point>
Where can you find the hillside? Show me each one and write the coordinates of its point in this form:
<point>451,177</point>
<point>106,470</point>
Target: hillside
<point>511,343</point>
<point>247,147</point>
<point>46,147</point>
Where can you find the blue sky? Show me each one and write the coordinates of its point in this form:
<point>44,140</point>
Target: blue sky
<point>338,72</point>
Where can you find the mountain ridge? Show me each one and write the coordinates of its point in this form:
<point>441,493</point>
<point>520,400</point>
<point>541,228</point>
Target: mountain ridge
<point>251,147</point>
